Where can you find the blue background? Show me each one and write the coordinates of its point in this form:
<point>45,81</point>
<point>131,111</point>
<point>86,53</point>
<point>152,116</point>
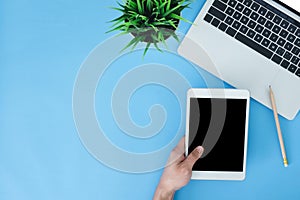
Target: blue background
<point>42,45</point>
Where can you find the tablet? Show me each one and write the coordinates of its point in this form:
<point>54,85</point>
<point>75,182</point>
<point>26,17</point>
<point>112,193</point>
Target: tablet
<point>217,119</point>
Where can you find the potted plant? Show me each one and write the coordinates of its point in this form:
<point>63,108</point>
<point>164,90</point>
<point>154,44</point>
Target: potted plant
<point>149,21</point>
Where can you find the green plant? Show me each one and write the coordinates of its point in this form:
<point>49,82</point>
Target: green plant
<point>149,21</point>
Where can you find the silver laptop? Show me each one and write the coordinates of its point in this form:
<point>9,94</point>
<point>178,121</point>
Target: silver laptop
<point>252,44</point>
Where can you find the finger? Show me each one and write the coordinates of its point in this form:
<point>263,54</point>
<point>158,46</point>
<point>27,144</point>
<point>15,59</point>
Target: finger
<point>193,157</point>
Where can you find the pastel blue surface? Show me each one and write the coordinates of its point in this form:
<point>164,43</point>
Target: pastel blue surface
<point>42,46</point>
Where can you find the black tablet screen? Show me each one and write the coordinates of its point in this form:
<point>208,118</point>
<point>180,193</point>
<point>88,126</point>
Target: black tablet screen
<point>219,126</point>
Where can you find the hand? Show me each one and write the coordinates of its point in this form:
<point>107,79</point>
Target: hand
<point>178,171</point>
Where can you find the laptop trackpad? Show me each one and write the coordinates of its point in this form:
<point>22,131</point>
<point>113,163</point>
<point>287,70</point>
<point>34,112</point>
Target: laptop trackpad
<point>287,96</point>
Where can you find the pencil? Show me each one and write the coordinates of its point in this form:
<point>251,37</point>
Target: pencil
<point>285,162</point>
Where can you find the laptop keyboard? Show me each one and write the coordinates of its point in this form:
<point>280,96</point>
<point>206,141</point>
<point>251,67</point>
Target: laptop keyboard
<point>261,27</point>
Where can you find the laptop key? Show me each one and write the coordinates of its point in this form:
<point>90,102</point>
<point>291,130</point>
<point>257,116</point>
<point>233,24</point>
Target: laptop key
<point>292,68</point>
<point>297,33</point>
<point>247,2</point>
<point>277,59</point>
<point>296,51</point>
<point>298,72</point>
<point>232,3</point>
<point>237,15</point>
<point>247,11</point>
<point>236,25</point>
<point>251,24</point>
<point>259,28</point>
<point>284,24</point>
<point>276,29</point>
<point>291,38</point>
<point>244,20</point>
<point>274,37</point>
<point>243,29</point>
<point>285,64</point>
<point>295,60</point>
<point>281,41</point>
<point>273,47</point>
<point>280,51</point>
<point>269,24</point>
<point>265,42</point>
<point>215,22</point>
<point>208,18</point>
<point>258,38</point>
<point>218,4</point>
<point>229,11</point>
<point>229,20</point>
<point>223,27</point>
<point>287,55</point>
<point>288,46</point>
<point>261,20</point>
<point>262,11</point>
<point>277,20</point>
<point>266,33</point>
<point>250,33</point>
<point>230,31</point>
<point>218,14</point>
<point>254,16</point>
<point>292,28</point>
<point>297,42</point>
<point>269,15</point>
<point>283,33</point>
<point>239,7</point>
<point>260,49</point>
<point>255,6</point>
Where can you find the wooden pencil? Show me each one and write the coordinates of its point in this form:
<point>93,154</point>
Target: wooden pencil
<point>285,162</point>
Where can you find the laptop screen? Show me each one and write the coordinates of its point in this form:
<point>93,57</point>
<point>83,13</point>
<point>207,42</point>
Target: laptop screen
<point>293,5</point>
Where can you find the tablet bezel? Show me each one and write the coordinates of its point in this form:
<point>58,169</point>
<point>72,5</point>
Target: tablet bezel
<point>225,94</point>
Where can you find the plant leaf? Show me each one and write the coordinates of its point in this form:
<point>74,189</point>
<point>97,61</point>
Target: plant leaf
<point>121,18</point>
<point>134,45</point>
<point>140,9</point>
<point>172,24</point>
<point>132,4</point>
<point>116,28</point>
<point>146,49</point>
<point>118,9</point>
<point>154,27</point>
<point>171,11</point>
<point>161,38</point>
<point>175,16</point>
<point>175,36</point>
<point>132,42</point>
<point>149,5</point>
<point>156,46</point>
<point>169,5</point>
<point>162,6</point>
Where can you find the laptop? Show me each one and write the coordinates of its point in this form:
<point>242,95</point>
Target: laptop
<point>252,44</point>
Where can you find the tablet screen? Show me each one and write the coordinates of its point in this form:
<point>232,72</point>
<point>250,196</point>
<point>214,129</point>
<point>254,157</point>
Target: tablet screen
<point>227,153</point>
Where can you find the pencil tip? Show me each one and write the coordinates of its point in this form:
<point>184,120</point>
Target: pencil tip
<point>269,86</point>
<point>285,162</point>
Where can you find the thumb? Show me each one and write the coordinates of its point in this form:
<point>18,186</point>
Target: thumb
<point>194,156</point>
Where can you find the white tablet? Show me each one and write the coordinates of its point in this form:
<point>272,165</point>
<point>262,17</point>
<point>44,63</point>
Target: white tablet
<point>217,119</point>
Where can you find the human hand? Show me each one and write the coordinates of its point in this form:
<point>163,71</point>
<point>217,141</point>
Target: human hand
<point>178,171</point>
